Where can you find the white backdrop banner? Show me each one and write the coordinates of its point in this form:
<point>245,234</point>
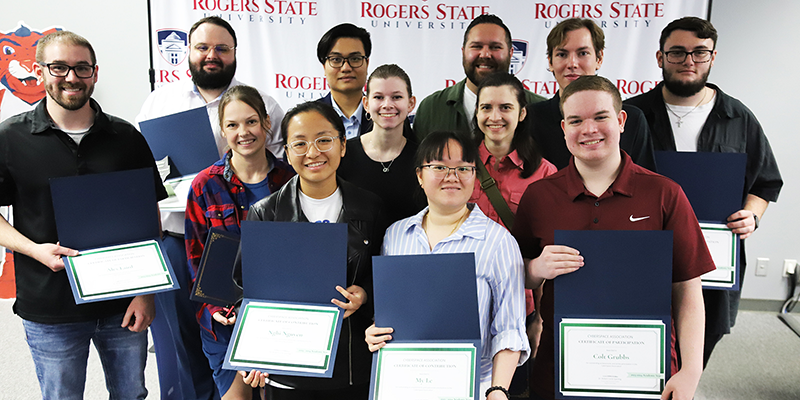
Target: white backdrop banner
<point>277,39</point>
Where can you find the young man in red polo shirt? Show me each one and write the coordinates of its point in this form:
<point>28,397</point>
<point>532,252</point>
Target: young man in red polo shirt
<point>602,189</point>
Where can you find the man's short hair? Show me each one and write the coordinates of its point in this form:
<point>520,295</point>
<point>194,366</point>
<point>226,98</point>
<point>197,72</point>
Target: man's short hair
<point>488,19</point>
<point>559,33</point>
<point>345,30</point>
<point>66,37</point>
<point>702,29</point>
<point>593,83</point>
<point>215,21</point>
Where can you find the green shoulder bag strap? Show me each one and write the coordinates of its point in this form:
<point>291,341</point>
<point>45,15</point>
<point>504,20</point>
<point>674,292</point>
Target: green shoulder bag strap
<point>489,186</point>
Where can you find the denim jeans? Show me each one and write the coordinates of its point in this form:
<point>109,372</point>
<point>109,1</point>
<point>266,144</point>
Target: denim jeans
<point>60,353</point>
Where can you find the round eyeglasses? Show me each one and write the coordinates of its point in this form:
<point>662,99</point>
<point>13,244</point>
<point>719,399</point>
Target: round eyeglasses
<point>301,147</point>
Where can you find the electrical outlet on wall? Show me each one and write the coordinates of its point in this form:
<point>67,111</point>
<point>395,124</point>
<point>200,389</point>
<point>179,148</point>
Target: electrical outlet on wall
<point>789,267</point>
<point>761,266</point>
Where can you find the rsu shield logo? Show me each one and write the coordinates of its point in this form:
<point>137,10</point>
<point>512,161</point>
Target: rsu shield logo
<point>519,57</point>
<point>173,45</point>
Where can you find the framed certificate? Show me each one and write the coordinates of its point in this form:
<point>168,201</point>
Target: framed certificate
<point>723,245</point>
<point>612,358</point>
<point>118,271</point>
<point>285,338</point>
<point>425,371</point>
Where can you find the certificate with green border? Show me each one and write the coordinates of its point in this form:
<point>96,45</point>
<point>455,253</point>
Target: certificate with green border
<point>285,338</point>
<point>612,358</point>
<point>119,271</point>
<point>425,371</point>
<point>723,245</point>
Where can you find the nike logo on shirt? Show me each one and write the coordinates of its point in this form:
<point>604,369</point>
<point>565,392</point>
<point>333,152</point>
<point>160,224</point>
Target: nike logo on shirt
<point>639,218</point>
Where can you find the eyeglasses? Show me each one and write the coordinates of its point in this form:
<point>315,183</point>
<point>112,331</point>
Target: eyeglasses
<point>338,62</point>
<point>301,147</point>
<point>59,70</point>
<point>441,171</point>
<point>679,56</point>
<point>222,49</point>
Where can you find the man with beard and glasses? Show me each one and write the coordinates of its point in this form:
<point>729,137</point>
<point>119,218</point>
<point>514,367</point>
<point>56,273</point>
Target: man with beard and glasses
<point>68,134</point>
<point>212,63</point>
<point>686,113</point>
<point>486,49</point>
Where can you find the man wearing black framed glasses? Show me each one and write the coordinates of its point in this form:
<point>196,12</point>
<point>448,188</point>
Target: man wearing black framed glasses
<point>686,113</point>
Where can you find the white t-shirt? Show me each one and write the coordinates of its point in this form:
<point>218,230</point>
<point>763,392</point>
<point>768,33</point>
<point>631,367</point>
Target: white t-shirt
<point>692,121</point>
<point>322,210</point>
<point>469,105</point>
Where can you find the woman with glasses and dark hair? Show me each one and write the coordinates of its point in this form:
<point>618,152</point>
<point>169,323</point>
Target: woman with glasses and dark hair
<point>220,197</point>
<point>315,144</point>
<point>445,165</point>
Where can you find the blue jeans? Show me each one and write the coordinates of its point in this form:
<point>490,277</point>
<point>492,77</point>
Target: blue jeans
<point>60,353</point>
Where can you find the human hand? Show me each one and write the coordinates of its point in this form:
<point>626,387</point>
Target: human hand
<point>254,378</point>
<point>219,317</point>
<point>140,313</point>
<point>742,223</point>
<point>681,386</point>
<point>355,295</point>
<point>555,260</point>
<point>376,337</point>
<point>50,254</point>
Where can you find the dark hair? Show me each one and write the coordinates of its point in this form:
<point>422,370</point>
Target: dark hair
<point>559,33</point>
<point>325,110</point>
<point>522,142</point>
<point>701,28</point>
<point>488,19</point>
<point>594,83</point>
<point>386,71</point>
<point>432,147</point>
<point>214,20</point>
<point>345,30</point>
<point>247,95</point>
<point>64,37</point>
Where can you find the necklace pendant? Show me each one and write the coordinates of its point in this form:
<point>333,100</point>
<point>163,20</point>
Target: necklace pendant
<point>679,123</point>
<point>385,169</point>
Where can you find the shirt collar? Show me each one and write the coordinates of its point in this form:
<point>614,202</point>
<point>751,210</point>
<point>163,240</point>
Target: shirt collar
<point>42,121</point>
<point>196,91</point>
<point>622,185</point>
<point>512,158</point>
<point>474,226</point>
<point>357,114</point>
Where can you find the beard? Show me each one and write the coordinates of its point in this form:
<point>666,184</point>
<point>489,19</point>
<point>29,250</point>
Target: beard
<point>212,80</point>
<point>684,89</point>
<point>476,77</point>
<point>71,103</point>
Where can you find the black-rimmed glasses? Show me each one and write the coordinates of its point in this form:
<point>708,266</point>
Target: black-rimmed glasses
<point>441,171</point>
<point>679,56</point>
<point>60,70</point>
<point>338,62</point>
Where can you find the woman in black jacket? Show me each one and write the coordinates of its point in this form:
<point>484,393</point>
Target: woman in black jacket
<point>315,143</point>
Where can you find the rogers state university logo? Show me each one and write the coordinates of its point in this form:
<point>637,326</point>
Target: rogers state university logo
<point>519,57</point>
<point>173,44</point>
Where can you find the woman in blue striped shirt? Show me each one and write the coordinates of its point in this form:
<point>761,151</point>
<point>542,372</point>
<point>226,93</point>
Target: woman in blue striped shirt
<point>445,166</point>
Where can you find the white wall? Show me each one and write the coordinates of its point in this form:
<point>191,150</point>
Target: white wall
<point>756,61</point>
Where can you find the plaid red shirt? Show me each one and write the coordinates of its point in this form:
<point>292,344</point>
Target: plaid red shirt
<point>218,200</point>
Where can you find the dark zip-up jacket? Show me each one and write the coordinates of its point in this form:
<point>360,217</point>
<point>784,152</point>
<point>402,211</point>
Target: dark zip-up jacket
<point>362,212</point>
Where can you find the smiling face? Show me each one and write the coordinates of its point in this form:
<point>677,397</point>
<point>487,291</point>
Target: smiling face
<point>211,70</point>
<point>243,130</point>
<point>452,192</point>
<point>592,127</point>
<point>574,57</point>
<point>69,92</point>
<point>499,113</point>
<point>485,52</point>
<point>347,79</point>
<point>317,170</point>
<point>687,78</point>
<point>388,102</point>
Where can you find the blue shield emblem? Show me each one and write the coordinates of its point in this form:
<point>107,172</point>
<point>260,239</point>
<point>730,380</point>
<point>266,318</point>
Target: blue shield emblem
<point>519,57</point>
<point>173,45</point>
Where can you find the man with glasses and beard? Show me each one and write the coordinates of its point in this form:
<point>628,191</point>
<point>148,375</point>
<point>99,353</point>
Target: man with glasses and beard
<point>212,63</point>
<point>486,49</point>
<point>686,113</point>
<point>68,134</point>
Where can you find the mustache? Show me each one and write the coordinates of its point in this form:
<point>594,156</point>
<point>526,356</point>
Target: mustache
<point>212,62</point>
